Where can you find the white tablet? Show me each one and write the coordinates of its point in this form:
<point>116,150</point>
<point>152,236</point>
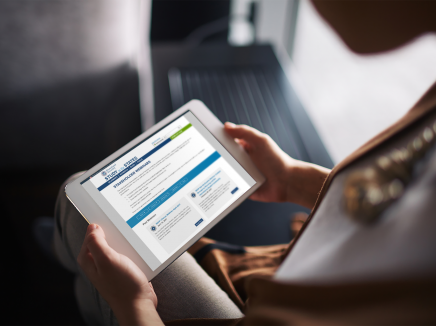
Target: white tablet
<point>157,195</point>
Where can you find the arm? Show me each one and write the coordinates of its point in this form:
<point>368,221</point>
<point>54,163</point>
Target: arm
<point>120,282</point>
<point>287,179</point>
<point>125,287</point>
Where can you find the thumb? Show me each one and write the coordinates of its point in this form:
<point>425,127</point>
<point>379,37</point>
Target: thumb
<point>95,241</point>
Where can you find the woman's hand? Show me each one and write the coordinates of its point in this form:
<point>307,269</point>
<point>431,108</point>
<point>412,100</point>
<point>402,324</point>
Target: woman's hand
<point>118,279</point>
<point>287,179</point>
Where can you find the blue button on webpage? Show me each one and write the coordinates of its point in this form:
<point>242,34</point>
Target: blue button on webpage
<point>235,190</point>
<point>198,223</point>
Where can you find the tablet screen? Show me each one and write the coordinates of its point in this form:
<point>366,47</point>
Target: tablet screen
<point>169,187</point>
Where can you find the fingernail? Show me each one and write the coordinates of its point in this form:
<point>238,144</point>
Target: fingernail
<point>230,125</point>
<point>92,226</point>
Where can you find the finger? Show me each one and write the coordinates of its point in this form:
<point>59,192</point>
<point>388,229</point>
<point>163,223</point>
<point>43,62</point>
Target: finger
<point>85,260</point>
<point>97,245</point>
<point>244,132</point>
<point>152,290</point>
<point>244,144</point>
<point>95,228</point>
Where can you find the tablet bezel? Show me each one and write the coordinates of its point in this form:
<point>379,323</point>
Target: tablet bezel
<point>92,213</point>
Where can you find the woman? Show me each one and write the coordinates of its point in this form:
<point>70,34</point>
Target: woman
<point>365,255</point>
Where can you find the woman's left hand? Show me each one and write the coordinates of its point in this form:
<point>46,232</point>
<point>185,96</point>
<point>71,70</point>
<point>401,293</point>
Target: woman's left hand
<point>118,279</point>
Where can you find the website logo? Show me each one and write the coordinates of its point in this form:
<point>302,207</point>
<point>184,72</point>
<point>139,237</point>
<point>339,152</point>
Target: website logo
<point>104,173</point>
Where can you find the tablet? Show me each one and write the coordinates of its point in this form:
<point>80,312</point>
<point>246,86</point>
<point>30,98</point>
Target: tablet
<point>160,193</point>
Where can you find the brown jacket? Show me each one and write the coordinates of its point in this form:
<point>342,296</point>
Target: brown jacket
<point>247,277</point>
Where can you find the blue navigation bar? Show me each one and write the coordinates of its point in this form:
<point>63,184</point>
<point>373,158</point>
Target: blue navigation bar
<point>143,213</point>
<point>130,167</point>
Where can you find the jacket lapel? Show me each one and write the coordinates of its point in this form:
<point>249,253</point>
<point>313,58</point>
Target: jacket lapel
<point>425,105</point>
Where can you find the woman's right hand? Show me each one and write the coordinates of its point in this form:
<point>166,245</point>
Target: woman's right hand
<point>118,279</point>
<point>287,179</point>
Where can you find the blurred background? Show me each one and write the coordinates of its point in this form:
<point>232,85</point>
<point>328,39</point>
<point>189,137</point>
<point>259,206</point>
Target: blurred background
<point>80,78</point>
